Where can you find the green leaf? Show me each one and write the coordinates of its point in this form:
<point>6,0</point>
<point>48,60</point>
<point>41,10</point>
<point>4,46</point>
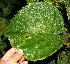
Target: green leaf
<point>68,11</point>
<point>47,0</point>
<point>37,29</point>
<point>1,5</point>
<point>63,57</point>
<point>3,25</point>
<point>31,1</point>
<point>7,10</point>
<point>11,1</point>
<point>66,2</point>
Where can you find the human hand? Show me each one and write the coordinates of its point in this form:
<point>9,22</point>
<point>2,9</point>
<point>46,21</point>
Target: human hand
<point>13,57</point>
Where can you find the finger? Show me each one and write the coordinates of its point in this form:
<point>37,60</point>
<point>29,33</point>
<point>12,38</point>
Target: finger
<point>2,62</point>
<point>8,54</point>
<point>24,62</point>
<point>17,56</point>
<point>22,59</point>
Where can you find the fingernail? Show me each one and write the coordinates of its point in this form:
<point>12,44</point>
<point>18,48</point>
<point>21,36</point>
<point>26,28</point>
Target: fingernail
<point>20,51</point>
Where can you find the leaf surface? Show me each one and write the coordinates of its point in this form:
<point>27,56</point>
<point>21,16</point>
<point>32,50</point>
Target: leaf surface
<point>37,29</point>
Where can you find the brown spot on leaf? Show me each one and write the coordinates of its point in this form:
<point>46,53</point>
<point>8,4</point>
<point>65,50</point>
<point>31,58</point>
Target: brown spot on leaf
<point>26,36</point>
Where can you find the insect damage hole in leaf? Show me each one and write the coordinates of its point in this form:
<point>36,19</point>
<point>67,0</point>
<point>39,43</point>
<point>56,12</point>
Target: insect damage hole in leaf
<point>27,36</point>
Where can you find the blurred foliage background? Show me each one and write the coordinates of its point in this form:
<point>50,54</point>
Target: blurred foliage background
<point>8,8</point>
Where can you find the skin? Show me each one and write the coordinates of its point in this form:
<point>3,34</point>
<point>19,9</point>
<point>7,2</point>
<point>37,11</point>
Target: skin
<point>13,57</point>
